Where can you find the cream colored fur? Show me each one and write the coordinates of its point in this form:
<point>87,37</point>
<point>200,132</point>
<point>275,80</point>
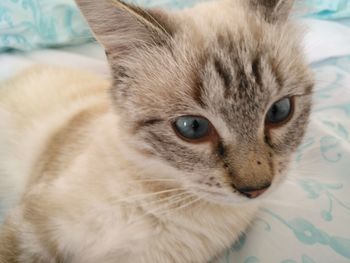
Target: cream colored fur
<point>111,225</point>
<point>78,188</point>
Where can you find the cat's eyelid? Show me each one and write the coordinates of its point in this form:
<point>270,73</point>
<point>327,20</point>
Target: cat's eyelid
<point>297,95</point>
<point>303,94</point>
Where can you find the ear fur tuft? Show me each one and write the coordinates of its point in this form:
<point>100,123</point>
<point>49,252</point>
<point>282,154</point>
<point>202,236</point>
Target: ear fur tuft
<point>273,11</point>
<point>120,27</point>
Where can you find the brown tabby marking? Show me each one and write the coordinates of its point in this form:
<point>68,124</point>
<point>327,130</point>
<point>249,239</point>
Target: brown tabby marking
<point>52,158</point>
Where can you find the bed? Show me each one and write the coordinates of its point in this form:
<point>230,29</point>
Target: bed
<point>308,219</point>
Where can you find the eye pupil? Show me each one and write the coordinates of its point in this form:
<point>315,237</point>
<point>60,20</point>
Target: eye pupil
<point>195,125</point>
<point>192,128</point>
<point>274,109</point>
<point>279,112</point>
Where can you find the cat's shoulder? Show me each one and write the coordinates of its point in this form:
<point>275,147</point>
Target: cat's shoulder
<point>43,88</point>
<point>52,76</point>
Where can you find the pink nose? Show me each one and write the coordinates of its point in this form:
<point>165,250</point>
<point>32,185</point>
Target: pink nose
<point>254,193</point>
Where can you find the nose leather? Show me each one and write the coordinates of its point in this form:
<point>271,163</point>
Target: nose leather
<point>253,193</point>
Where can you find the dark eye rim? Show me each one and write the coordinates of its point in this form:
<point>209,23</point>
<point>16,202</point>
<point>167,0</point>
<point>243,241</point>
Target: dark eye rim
<point>270,125</point>
<point>212,134</point>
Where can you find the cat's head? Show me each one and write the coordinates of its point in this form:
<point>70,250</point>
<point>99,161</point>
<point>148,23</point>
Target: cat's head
<point>217,96</point>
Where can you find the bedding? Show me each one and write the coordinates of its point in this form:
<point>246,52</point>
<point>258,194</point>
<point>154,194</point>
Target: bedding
<point>307,219</point>
<point>338,10</point>
<point>31,24</point>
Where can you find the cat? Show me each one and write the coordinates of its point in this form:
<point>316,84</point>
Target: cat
<point>168,160</point>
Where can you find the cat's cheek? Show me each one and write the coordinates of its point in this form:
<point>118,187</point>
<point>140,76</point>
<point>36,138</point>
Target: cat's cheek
<point>213,179</point>
<point>285,139</point>
<point>282,165</point>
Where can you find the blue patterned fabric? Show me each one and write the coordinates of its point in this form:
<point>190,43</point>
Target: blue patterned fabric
<point>338,10</point>
<point>31,24</point>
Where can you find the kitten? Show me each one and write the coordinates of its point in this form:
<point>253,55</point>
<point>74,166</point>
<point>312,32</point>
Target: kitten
<point>205,111</point>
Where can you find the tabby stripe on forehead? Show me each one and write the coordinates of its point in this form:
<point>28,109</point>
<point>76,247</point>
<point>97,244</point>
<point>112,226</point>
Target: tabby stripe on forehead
<point>278,76</point>
<point>197,89</point>
<point>241,76</point>
<point>223,72</point>
<point>256,68</point>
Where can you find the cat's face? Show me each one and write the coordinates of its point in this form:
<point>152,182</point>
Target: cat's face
<point>217,97</point>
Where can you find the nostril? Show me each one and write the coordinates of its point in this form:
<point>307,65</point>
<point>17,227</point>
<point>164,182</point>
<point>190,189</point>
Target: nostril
<point>258,162</point>
<point>253,193</point>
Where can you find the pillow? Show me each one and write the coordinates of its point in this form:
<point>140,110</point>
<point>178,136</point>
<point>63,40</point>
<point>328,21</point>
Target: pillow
<point>331,10</point>
<point>29,24</point>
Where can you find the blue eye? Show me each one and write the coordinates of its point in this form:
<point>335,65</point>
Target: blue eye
<point>280,112</point>
<point>193,128</point>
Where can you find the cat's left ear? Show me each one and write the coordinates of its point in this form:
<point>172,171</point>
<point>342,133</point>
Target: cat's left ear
<point>274,11</point>
<point>121,27</point>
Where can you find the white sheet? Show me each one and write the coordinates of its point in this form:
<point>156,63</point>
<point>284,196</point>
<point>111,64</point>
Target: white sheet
<point>88,57</point>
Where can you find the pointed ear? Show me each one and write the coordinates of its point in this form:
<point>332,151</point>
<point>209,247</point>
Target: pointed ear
<point>120,27</point>
<point>274,11</point>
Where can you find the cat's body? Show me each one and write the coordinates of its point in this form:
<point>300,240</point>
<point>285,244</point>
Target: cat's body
<point>66,145</point>
<point>96,175</point>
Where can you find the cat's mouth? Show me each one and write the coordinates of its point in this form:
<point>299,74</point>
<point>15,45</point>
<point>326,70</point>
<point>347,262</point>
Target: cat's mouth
<point>219,196</point>
<point>245,194</point>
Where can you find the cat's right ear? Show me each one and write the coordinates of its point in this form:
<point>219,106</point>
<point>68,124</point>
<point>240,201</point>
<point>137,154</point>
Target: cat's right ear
<point>274,11</point>
<point>121,27</point>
